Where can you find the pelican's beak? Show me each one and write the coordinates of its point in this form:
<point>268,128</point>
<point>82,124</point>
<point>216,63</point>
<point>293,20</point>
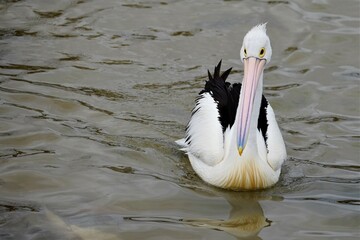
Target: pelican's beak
<point>253,70</point>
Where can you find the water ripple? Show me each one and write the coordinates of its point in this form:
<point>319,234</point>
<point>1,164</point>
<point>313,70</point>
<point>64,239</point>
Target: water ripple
<point>355,168</point>
<point>16,153</point>
<point>85,104</point>
<point>110,95</point>
<point>49,14</point>
<point>16,206</point>
<point>329,199</point>
<point>319,119</point>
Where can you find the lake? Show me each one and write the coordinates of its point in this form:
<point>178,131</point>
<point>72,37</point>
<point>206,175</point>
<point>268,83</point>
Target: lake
<point>94,94</point>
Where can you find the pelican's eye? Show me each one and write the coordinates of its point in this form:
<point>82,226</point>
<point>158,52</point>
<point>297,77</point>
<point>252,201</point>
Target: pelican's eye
<point>245,53</point>
<point>262,52</point>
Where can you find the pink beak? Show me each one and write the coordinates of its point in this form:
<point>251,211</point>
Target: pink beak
<point>253,69</point>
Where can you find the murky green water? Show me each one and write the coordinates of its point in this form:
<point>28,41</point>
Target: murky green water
<point>93,95</point>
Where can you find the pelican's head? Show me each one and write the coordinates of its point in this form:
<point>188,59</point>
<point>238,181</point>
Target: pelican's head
<point>256,44</point>
<point>255,53</point>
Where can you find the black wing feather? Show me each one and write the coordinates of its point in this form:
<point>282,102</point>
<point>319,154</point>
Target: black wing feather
<point>220,90</point>
<point>262,121</point>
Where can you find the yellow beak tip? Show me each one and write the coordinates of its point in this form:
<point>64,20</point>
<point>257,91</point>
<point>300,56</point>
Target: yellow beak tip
<point>240,150</point>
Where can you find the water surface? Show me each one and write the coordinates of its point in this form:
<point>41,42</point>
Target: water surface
<point>93,95</point>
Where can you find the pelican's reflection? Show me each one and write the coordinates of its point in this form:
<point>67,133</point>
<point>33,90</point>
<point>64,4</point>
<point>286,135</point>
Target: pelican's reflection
<point>246,218</point>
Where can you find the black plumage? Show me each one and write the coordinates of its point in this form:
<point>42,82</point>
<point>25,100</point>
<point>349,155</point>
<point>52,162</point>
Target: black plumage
<point>226,96</point>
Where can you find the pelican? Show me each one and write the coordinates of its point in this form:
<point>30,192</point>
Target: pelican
<point>232,139</point>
